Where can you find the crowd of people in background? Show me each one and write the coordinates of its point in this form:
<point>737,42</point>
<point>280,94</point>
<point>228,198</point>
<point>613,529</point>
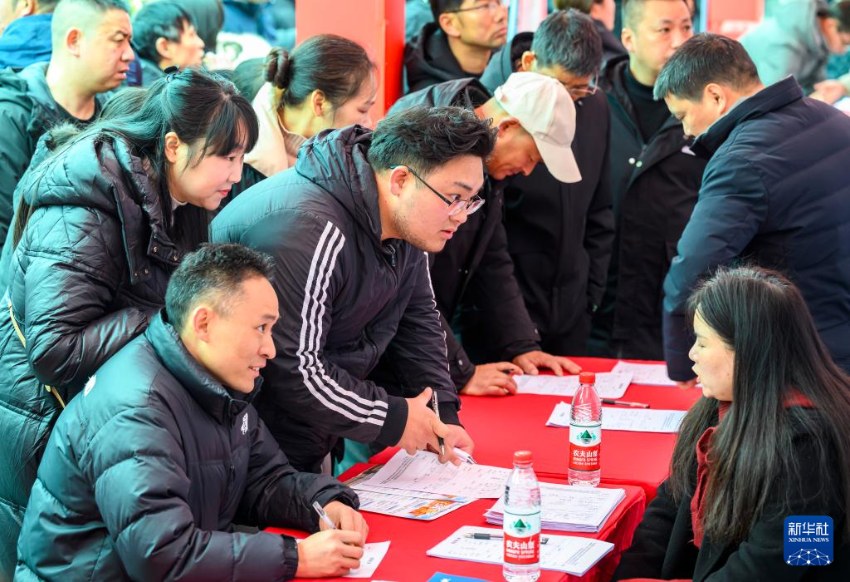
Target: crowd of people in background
<point>218,268</point>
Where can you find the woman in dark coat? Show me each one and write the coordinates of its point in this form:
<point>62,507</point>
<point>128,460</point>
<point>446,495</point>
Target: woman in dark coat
<point>100,228</point>
<point>767,441</point>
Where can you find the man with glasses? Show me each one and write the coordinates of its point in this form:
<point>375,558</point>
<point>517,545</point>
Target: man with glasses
<point>559,234</point>
<point>655,178</point>
<point>458,44</point>
<point>347,227</point>
<point>474,277</point>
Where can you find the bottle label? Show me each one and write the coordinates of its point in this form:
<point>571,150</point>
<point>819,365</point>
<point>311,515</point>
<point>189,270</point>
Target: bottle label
<point>585,441</point>
<point>522,538</point>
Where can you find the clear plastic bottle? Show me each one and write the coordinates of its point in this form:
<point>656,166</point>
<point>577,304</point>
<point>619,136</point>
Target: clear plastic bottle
<point>521,544</point>
<point>585,433</point>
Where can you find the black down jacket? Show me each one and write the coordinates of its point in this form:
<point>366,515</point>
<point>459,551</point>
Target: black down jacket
<point>88,273</point>
<point>148,470</point>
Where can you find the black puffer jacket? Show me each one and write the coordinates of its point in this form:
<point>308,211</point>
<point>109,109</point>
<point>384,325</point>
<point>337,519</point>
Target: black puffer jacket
<point>559,235</point>
<point>90,270</point>
<point>27,110</point>
<point>428,60</point>
<point>147,472</point>
<point>474,269</point>
<point>654,185</point>
<point>346,300</point>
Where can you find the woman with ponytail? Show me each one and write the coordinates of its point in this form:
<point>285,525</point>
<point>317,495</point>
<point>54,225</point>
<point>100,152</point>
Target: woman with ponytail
<point>326,82</point>
<point>768,440</point>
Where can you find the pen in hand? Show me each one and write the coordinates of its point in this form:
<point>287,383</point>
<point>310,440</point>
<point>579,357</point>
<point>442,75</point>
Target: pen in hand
<point>625,403</point>
<point>440,440</point>
<point>323,517</point>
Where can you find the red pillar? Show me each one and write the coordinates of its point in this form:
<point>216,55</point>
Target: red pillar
<point>377,25</point>
<point>733,17</point>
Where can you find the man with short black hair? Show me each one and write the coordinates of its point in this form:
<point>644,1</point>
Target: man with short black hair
<point>164,36</point>
<point>349,226</point>
<point>25,32</point>
<point>654,180</point>
<point>603,13</point>
<point>775,190</point>
<point>458,44</point>
<point>149,469</point>
<point>91,55</point>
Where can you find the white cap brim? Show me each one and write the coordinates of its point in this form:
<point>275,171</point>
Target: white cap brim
<point>559,160</point>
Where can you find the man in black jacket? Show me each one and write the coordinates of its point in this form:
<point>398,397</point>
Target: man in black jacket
<point>654,180</point>
<point>535,118</point>
<point>458,44</point>
<point>164,36</point>
<point>348,226</point>
<point>91,55</point>
<point>559,234</point>
<point>149,469</point>
<point>775,190</point>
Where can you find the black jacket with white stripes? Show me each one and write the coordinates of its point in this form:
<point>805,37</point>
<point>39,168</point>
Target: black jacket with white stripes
<point>347,299</point>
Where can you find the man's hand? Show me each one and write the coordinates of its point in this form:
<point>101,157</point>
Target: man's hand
<point>829,91</point>
<point>692,383</point>
<point>531,361</point>
<point>346,518</point>
<point>492,380</point>
<point>332,552</point>
<point>422,428</point>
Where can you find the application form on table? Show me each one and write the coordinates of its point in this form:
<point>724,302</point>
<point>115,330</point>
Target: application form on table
<point>423,472</point>
<point>629,419</point>
<point>572,555</point>
<point>608,385</point>
<point>649,374</point>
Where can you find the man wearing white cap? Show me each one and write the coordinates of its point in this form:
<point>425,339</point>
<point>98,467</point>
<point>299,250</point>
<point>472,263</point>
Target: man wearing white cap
<point>535,117</point>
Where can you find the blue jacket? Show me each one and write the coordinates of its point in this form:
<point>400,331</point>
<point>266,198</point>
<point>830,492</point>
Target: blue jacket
<point>148,470</point>
<point>26,41</point>
<point>775,193</point>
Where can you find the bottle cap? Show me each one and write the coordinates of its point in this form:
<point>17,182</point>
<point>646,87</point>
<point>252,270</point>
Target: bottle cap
<point>587,378</point>
<point>523,457</point>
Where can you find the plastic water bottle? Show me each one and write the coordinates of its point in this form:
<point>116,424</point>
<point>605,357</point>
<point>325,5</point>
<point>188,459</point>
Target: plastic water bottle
<point>521,544</point>
<point>585,433</point>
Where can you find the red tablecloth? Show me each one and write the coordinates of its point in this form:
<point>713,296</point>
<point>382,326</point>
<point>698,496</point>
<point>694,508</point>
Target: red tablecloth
<point>501,425</point>
<point>406,560</point>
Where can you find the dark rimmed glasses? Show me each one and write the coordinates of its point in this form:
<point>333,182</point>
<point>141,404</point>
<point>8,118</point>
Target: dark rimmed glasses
<point>456,204</point>
<point>492,7</point>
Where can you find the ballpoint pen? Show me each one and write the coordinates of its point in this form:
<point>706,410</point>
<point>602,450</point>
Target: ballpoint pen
<point>323,516</point>
<point>625,403</point>
<point>440,440</point>
<point>487,536</point>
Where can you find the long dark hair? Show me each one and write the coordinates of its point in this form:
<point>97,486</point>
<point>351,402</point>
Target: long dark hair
<point>206,112</point>
<point>763,318</point>
<point>334,65</point>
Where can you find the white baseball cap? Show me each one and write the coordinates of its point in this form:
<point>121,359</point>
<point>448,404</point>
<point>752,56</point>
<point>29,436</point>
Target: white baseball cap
<point>545,109</point>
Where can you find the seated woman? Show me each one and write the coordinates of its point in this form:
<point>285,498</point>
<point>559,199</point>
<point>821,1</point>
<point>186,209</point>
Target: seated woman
<point>102,224</point>
<point>326,82</point>
<point>767,440</point>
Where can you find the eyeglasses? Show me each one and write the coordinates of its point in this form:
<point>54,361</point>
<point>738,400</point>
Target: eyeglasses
<point>492,7</point>
<point>456,204</point>
<point>579,92</point>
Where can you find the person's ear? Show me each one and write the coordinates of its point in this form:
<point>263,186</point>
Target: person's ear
<point>318,103</point>
<point>448,23</point>
<point>201,321</point>
<point>163,48</point>
<point>399,178</point>
<point>73,40</point>
<point>172,146</point>
<point>506,124</point>
<point>26,8</point>
<point>627,38</point>
<point>716,97</point>
<point>528,62</point>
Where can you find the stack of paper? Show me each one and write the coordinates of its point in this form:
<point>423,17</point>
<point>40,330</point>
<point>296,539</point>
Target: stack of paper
<point>569,508</point>
<point>423,472</point>
<point>561,553</point>
<point>630,419</point>
<point>650,374</point>
<point>608,384</point>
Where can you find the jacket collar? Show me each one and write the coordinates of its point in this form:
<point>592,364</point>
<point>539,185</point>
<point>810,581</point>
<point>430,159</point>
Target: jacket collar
<point>769,99</point>
<point>214,398</point>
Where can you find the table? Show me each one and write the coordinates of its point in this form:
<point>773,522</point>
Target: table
<point>502,425</point>
<point>406,560</point>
